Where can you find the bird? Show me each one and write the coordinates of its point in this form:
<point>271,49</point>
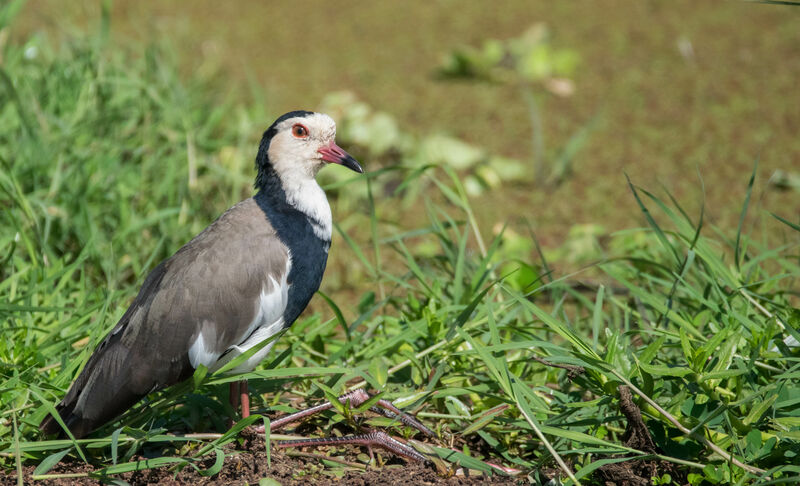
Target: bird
<point>243,279</point>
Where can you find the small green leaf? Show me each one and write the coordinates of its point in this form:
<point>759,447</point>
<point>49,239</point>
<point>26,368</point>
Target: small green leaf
<point>484,418</point>
<point>663,370</point>
<point>333,398</point>
<point>686,346</point>
<point>218,463</point>
<point>461,408</point>
<point>379,371</point>
<point>115,444</point>
<point>199,375</point>
<point>464,460</point>
<point>759,410</point>
<point>137,466</point>
<point>50,461</point>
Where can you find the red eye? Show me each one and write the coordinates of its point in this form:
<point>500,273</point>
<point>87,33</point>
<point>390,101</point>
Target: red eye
<point>299,131</point>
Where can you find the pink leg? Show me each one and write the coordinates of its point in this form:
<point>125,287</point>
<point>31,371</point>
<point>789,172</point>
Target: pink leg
<point>245,398</point>
<point>233,396</point>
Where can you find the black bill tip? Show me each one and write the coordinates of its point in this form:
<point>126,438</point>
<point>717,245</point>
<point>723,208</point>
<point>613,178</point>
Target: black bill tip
<point>352,164</point>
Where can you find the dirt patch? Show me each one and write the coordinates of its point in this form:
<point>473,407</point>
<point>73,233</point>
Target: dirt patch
<point>637,472</point>
<point>249,465</point>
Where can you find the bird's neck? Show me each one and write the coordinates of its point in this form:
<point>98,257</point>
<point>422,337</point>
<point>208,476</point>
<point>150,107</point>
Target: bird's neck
<point>302,194</point>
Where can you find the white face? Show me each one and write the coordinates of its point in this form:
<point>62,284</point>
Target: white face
<point>294,149</point>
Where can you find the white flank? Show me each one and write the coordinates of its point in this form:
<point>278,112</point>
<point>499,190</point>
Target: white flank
<point>268,321</point>
<point>202,351</point>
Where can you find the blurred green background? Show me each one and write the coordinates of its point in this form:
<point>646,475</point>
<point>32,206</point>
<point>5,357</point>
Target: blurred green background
<point>676,87</point>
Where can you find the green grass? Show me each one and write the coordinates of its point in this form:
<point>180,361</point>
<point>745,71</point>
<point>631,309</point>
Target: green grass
<point>111,161</point>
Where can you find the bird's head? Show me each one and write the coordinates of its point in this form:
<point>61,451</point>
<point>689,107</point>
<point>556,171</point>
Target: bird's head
<point>297,146</point>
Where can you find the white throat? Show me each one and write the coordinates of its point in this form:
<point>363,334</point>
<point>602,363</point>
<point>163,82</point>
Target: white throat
<point>305,194</point>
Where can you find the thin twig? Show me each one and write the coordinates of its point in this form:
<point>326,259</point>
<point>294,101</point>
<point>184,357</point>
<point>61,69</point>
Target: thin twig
<point>38,477</point>
<point>201,436</point>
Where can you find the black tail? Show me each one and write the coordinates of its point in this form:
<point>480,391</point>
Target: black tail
<point>100,393</point>
<point>79,426</point>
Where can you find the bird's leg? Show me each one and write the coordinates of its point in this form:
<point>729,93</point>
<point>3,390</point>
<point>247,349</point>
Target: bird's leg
<point>244,398</point>
<point>372,438</point>
<point>239,394</point>
<point>233,397</point>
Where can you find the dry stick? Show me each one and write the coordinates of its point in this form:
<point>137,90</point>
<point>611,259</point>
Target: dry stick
<point>202,436</point>
<point>694,435</point>
<point>482,247</point>
<point>41,477</point>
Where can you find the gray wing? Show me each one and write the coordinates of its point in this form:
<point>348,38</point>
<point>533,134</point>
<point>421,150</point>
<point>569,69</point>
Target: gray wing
<point>211,288</point>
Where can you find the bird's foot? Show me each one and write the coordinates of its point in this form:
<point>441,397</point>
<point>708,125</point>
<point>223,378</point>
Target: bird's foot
<point>373,438</point>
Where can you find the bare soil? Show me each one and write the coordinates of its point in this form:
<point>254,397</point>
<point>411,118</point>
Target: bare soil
<point>249,465</point>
